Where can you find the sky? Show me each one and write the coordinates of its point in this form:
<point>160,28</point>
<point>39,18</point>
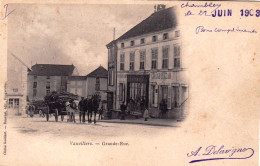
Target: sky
<point>69,34</point>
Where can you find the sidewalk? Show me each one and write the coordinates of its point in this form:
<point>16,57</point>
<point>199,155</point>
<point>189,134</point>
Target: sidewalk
<point>151,122</point>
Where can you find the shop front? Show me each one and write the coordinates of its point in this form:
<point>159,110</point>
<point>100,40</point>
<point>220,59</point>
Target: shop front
<point>138,91</point>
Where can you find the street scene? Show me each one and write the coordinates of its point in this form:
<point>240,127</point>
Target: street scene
<point>107,72</point>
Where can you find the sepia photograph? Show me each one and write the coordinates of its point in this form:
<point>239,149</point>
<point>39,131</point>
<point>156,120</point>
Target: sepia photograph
<point>130,83</point>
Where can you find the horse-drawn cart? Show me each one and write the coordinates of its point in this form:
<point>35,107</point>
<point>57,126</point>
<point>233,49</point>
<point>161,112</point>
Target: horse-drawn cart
<point>56,104</point>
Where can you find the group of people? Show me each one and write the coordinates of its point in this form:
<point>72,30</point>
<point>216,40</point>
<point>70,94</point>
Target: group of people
<point>90,106</point>
<point>126,109</point>
<point>131,107</point>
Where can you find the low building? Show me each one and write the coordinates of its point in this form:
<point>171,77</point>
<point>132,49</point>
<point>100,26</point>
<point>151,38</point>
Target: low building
<point>45,78</point>
<point>16,86</point>
<point>93,83</point>
<point>147,62</point>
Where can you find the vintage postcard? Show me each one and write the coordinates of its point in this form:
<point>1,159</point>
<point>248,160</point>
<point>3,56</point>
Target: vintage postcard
<point>129,83</point>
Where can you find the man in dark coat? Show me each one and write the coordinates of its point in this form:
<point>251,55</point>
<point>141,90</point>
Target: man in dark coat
<point>163,108</point>
<point>82,110</point>
<point>123,109</point>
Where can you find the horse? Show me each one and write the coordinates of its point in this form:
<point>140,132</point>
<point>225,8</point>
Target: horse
<point>92,105</point>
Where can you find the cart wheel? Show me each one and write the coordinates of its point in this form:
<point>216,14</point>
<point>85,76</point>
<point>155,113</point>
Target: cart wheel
<point>62,118</point>
<point>47,113</point>
<point>56,115</point>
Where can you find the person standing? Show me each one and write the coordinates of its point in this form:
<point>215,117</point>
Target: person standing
<point>100,112</point>
<point>146,114</point>
<point>82,110</point>
<point>123,109</point>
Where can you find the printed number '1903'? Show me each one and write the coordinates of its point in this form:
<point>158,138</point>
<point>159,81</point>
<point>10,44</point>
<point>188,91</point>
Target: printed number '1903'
<point>250,12</point>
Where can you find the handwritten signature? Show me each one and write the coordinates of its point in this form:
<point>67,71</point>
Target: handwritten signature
<point>201,29</point>
<point>7,13</point>
<point>221,153</point>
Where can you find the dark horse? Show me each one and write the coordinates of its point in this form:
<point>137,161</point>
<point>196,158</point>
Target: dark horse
<point>92,105</point>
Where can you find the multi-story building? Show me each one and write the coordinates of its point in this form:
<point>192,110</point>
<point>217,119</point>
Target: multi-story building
<point>16,87</point>
<point>93,83</point>
<point>45,78</point>
<point>147,62</point>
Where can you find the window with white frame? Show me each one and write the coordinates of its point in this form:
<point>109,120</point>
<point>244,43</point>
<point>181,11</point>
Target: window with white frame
<point>142,59</point>
<point>34,84</point>
<point>154,38</point>
<point>142,41</point>
<point>154,58</point>
<point>132,61</point>
<point>176,56</point>
<point>122,61</point>
<point>97,87</point>
<point>165,36</point>
<point>177,33</point>
<point>110,77</point>
<point>165,60</point>
<point>48,87</point>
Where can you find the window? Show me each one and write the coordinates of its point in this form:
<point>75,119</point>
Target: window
<point>177,63</point>
<point>34,92</point>
<point>132,43</point>
<point>63,86</point>
<point>110,77</point>
<point>34,84</point>
<point>122,45</point>
<point>177,33</point>
<point>11,103</point>
<point>48,87</point>
<point>165,36</point>
<point>154,58</point>
<point>48,77</point>
<point>175,96</point>
<point>165,52</point>
<point>79,83</point>
<point>122,61</point>
<point>142,60</point>
<point>15,90</point>
<point>154,38</point>
<point>132,60</point>
<point>121,92</point>
<point>97,84</point>
<point>164,94</point>
<point>142,41</point>
<point>35,77</point>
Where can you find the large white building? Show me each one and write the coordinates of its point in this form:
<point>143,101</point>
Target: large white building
<point>145,64</point>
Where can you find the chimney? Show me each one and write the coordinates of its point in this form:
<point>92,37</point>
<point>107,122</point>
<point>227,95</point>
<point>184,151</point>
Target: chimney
<point>159,7</point>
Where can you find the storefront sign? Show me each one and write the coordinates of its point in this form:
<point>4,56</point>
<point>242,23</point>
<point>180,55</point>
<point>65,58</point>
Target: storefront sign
<point>161,75</point>
<point>138,78</point>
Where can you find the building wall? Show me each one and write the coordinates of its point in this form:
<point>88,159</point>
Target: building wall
<point>112,70</point>
<point>16,87</point>
<point>55,83</point>
<point>173,78</point>
<point>77,87</point>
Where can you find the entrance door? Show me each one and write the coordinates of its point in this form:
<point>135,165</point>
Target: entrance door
<point>13,106</point>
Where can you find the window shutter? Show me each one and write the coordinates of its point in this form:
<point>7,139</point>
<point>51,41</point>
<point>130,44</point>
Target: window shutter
<point>169,97</point>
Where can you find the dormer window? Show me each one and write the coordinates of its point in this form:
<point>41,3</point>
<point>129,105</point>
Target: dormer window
<point>177,33</point>
<point>165,36</point>
<point>122,45</point>
<point>154,39</point>
<point>132,43</point>
<point>142,41</point>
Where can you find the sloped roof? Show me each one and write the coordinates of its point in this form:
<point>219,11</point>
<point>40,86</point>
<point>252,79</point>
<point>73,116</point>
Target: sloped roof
<point>100,72</point>
<point>77,77</point>
<point>51,70</point>
<point>158,21</point>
